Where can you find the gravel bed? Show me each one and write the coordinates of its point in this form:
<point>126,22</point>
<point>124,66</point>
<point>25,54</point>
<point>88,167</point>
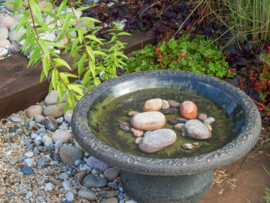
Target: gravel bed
<point>42,165</point>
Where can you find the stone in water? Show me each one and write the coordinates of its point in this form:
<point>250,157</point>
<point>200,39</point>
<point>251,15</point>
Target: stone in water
<point>209,120</point>
<point>208,126</point>
<point>174,104</point>
<point>124,126</point>
<point>187,146</point>
<point>152,105</point>
<point>136,132</point>
<point>165,104</point>
<point>133,113</point>
<point>174,121</point>
<point>179,126</point>
<point>188,110</point>
<point>152,120</point>
<point>168,111</point>
<point>157,140</point>
<point>202,117</point>
<point>138,140</point>
<point>197,130</point>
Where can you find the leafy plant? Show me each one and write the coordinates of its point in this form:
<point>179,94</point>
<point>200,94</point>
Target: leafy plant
<point>89,56</point>
<point>198,55</point>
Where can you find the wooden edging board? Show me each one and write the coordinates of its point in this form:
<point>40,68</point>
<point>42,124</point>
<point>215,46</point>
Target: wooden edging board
<point>20,87</point>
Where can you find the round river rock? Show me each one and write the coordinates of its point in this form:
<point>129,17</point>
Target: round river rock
<point>197,130</point>
<point>157,140</point>
<point>152,120</point>
<point>152,105</point>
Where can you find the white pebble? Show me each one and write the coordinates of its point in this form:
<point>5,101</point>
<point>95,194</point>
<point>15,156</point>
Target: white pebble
<point>54,163</point>
<point>15,119</point>
<point>3,52</point>
<point>70,196</point>
<point>29,154</point>
<point>49,187</point>
<point>60,120</point>
<point>9,153</point>
<point>137,141</point>
<point>67,185</point>
<point>209,120</point>
<point>63,176</point>
<point>34,136</point>
<point>29,162</point>
<point>58,144</point>
<point>208,126</point>
<point>29,195</point>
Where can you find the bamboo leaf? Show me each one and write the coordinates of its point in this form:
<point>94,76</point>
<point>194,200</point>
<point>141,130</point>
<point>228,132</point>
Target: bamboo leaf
<point>123,33</point>
<point>75,88</point>
<point>66,106</point>
<point>22,21</point>
<point>90,87</point>
<point>80,34</point>
<point>66,21</point>
<point>41,76</point>
<point>92,68</point>
<point>54,78</point>
<point>64,77</point>
<point>16,5</point>
<point>70,75</point>
<point>91,53</point>
<point>94,38</point>
<point>44,47</point>
<point>46,65</point>
<point>75,43</point>
<point>78,97</point>
<point>36,10</point>
<point>121,54</point>
<point>61,62</point>
<point>61,7</point>
<point>89,19</point>
<point>50,88</point>
<point>59,92</point>
<point>100,53</point>
<point>71,100</point>
<point>54,44</point>
<point>83,8</point>
<point>80,65</point>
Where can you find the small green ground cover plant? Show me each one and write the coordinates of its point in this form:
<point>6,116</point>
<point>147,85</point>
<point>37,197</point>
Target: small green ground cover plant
<point>198,55</point>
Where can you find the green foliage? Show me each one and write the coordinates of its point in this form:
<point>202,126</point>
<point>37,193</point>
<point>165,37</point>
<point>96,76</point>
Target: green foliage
<point>198,55</point>
<point>86,50</point>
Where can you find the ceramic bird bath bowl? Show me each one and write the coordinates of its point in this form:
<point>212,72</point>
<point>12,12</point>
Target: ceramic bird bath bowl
<point>172,174</point>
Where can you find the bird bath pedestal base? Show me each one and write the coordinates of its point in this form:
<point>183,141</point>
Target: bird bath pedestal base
<point>166,189</point>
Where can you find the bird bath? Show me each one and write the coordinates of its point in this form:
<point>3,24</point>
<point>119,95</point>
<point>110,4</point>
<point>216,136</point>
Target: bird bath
<point>172,174</point>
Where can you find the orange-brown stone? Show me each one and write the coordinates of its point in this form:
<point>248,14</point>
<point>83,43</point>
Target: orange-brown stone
<point>188,110</point>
